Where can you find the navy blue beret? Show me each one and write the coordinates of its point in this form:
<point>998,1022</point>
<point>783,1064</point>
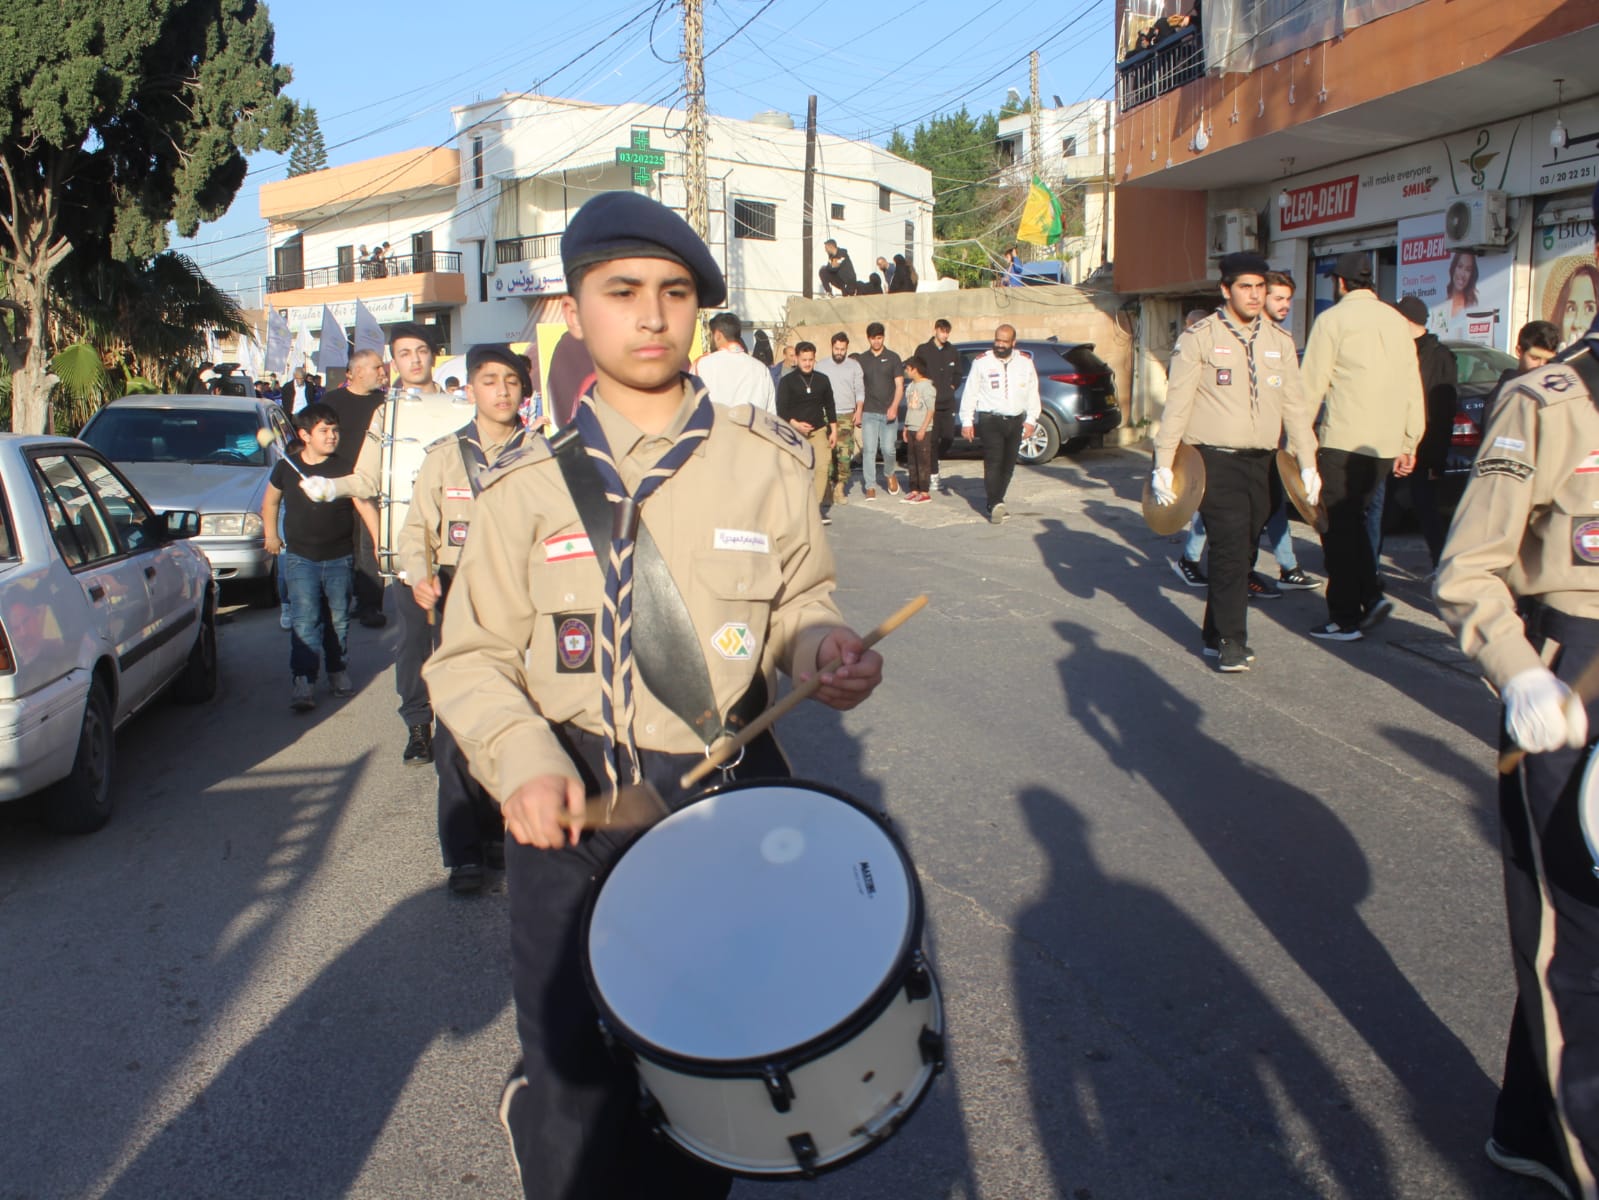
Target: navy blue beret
<point>1243,263</point>
<point>487,352</point>
<point>627,225</point>
<point>413,329</point>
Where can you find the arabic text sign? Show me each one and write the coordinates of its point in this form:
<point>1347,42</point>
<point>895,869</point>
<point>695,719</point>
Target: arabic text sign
<point>387,309</point>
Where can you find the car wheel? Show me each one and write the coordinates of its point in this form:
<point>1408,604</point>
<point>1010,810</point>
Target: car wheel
<point>1044,443</point>
<point>81,803</point>
<point>198,681</point>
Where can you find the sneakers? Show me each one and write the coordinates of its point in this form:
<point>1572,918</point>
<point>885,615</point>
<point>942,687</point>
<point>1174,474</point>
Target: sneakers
<point>997,514</point>
<point>300,698</point>
<point>932,482</point>
<point>1516,1164</point>
<point>466,879</point>
<point>918,498</point>
<point>1261,588</point>
<point>419,749</point>
<point>1213,650</point>
<point>893,485</point>
<point>1189,572</point>
<point>339,681</point>
<point>1332,631</point>
<point>826,517</point>
<point>1232,657</point>
<point>285,617</point>
<point>1296,580</point>
<point>869,493</point>
<point>1377,613</point>
<point>908,496</point>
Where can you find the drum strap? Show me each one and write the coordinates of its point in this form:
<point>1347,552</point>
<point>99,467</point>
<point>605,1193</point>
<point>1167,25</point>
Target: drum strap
<point>665,646</point>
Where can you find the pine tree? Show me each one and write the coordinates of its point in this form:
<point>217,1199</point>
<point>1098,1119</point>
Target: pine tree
<point>307,152</point>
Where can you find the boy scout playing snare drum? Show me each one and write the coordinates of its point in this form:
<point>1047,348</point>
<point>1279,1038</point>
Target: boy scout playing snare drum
<point>549,674</point>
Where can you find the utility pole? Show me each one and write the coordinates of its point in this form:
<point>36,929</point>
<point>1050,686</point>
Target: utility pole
<point>694,87</point>
<point>808,212</point>
<point>1035,132</point>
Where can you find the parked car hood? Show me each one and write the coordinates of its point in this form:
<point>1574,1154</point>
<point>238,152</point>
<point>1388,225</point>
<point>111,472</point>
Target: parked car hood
<point>199,487</point>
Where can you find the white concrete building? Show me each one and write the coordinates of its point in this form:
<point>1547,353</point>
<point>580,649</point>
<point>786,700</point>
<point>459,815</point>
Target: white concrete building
<point>1077,148</point>
<point>474,230</point>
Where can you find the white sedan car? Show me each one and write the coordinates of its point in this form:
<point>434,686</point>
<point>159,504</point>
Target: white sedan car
<point>104,605</point>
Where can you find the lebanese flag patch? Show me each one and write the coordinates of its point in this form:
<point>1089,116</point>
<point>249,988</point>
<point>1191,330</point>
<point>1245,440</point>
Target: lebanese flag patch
<point>1587,466</point>
<point>567,546</point>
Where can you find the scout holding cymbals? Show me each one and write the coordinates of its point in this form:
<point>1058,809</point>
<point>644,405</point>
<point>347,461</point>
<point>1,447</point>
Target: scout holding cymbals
<point>626,599</point>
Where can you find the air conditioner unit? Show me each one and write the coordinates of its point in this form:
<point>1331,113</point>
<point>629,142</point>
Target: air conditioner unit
<point>1477,219</point>
<point>1233,230</point>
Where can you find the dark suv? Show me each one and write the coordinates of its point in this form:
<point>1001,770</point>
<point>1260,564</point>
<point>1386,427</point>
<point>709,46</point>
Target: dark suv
<point>1076,391</point>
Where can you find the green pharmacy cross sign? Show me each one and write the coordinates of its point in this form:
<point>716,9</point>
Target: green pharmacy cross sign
<point>640,157</point>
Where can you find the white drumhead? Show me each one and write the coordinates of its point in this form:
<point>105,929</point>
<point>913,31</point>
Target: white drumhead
<point>1588,807</point>
<point>750,923</point>
<point>410,426</point>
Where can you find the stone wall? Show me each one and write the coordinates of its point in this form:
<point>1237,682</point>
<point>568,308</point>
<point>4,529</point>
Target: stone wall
<point>1068,313</point>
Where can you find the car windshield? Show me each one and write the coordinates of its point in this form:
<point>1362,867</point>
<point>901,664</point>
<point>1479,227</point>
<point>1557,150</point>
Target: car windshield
<point>1481,364</point>
<point>192,435</point>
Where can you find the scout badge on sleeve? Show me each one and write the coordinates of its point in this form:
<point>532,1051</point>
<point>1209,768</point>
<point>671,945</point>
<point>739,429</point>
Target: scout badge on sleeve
<point>1188,481</point>
<point>1315,514</point>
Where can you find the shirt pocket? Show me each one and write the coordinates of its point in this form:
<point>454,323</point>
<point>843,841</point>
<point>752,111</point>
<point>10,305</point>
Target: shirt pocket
<point>1574,521</point>
<point>732,600</point>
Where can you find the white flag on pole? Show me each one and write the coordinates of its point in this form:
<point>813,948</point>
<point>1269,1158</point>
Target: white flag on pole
<point>368,334</point>
<point>213,352</point>
<point>276,358</point>
<point>335,348</point>
<point>303,347</point>
<point>249,356</point>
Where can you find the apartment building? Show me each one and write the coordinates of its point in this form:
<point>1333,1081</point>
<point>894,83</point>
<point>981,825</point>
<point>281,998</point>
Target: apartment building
<point>1076,145</point>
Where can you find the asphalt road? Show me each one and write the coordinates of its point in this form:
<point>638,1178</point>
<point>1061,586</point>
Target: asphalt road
<point>1199,935</point>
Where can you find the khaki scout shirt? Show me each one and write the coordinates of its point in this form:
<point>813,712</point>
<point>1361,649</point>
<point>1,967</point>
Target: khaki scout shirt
<point>1207,394</point>
<point>1360,362</point>
<point>364,481</point>
<point>1528,524</point>
<point>739,527</point>
<point>440,513</point>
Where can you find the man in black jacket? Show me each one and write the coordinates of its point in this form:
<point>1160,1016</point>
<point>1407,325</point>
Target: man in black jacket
<point>944,373</point>
<point>1439,377</point>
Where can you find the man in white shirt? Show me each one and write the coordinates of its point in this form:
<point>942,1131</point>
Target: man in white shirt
<point>730,375</point>
<point>1000,405</point>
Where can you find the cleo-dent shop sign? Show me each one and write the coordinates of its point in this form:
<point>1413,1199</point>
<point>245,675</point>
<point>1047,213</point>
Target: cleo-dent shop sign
<point>1406,182</point>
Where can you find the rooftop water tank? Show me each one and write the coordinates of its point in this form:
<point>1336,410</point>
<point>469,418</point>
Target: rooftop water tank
<point>777,120</point>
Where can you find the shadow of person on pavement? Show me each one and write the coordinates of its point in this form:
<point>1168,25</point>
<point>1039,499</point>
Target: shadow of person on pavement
<point>1290,859</point>
<point>1180,1040</point>
<point>298,1110</point>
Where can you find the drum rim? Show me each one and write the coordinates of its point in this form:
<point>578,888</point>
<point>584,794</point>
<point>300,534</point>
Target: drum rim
<point>793,1056</point>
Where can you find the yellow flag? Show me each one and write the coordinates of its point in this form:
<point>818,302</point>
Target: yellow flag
<point>1040,224</point>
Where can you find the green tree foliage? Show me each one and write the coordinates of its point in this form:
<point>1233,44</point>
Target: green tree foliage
<point>117,117</point>
<point>307,151</point>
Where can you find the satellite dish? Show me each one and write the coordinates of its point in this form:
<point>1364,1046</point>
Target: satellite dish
<point>1457,221</point>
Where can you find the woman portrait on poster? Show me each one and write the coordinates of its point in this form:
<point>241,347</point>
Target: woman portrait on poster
<point>1576,303</point>
<point>1461,293</point>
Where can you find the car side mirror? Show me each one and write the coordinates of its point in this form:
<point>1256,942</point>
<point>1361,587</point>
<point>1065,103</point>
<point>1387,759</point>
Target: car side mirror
<point>179,523</point>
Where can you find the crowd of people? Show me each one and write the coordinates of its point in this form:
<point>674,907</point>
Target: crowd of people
<point>839,275</point>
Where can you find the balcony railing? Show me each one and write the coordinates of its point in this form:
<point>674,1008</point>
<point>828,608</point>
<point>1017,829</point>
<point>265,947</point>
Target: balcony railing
<point>444,261</point>
<point>1146,74</point>
<point>524,249</point>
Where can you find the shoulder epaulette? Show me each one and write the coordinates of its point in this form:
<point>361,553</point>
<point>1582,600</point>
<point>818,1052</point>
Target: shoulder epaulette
<point>1553,383</point>
<point>533,450</point>
<point>780,433</point>
<point>447,440</point>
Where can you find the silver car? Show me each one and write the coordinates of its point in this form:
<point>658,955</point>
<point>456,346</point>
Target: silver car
<point>206,454</point>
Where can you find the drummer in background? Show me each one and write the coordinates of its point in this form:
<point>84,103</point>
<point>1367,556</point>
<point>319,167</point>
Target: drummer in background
<point>412,349</point>
<point>1233,391</point>
<point>471,834</point>
<point>1519,583</point>
<point>729,498</point>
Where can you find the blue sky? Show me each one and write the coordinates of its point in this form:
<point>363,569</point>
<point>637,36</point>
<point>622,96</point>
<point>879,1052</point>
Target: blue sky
<point>382,79</point>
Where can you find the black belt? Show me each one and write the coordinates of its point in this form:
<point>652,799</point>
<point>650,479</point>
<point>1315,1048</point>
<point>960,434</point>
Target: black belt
<point>1241,451</point>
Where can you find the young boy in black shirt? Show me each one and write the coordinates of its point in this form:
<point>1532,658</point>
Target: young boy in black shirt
<point>316,561</point>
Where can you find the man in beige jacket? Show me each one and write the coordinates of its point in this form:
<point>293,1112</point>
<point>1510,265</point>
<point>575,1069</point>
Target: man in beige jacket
<point>1360,366</point>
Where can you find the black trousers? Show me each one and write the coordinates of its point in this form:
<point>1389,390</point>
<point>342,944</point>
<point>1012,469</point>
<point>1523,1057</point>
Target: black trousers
<point>468,818</point>
<point>1347,483</point>
<point>842,282</point>
<point>1236,503</point>
<point>576,1125</point>
<point>368,580</point>
<point>1552,902</point>
<point>1001,436</point>
<point>417,639</point>
<point>943,431</point>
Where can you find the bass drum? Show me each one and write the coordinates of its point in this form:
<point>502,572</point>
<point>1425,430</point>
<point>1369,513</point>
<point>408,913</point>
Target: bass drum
<point>410,424</point>
<point>758,955</point>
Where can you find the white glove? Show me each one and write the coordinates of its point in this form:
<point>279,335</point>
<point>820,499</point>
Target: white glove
<point>318,487</point>
<point>1543,714</point>
<point>1160,483</point>
<point>1312,481</point>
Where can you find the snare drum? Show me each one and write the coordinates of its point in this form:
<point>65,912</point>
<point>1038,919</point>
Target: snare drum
<point>758,956</point>
<point>409,426</point>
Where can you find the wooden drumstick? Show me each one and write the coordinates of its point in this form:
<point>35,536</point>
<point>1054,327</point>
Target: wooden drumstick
<point>1586,687</point>
<point>725,750</point>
